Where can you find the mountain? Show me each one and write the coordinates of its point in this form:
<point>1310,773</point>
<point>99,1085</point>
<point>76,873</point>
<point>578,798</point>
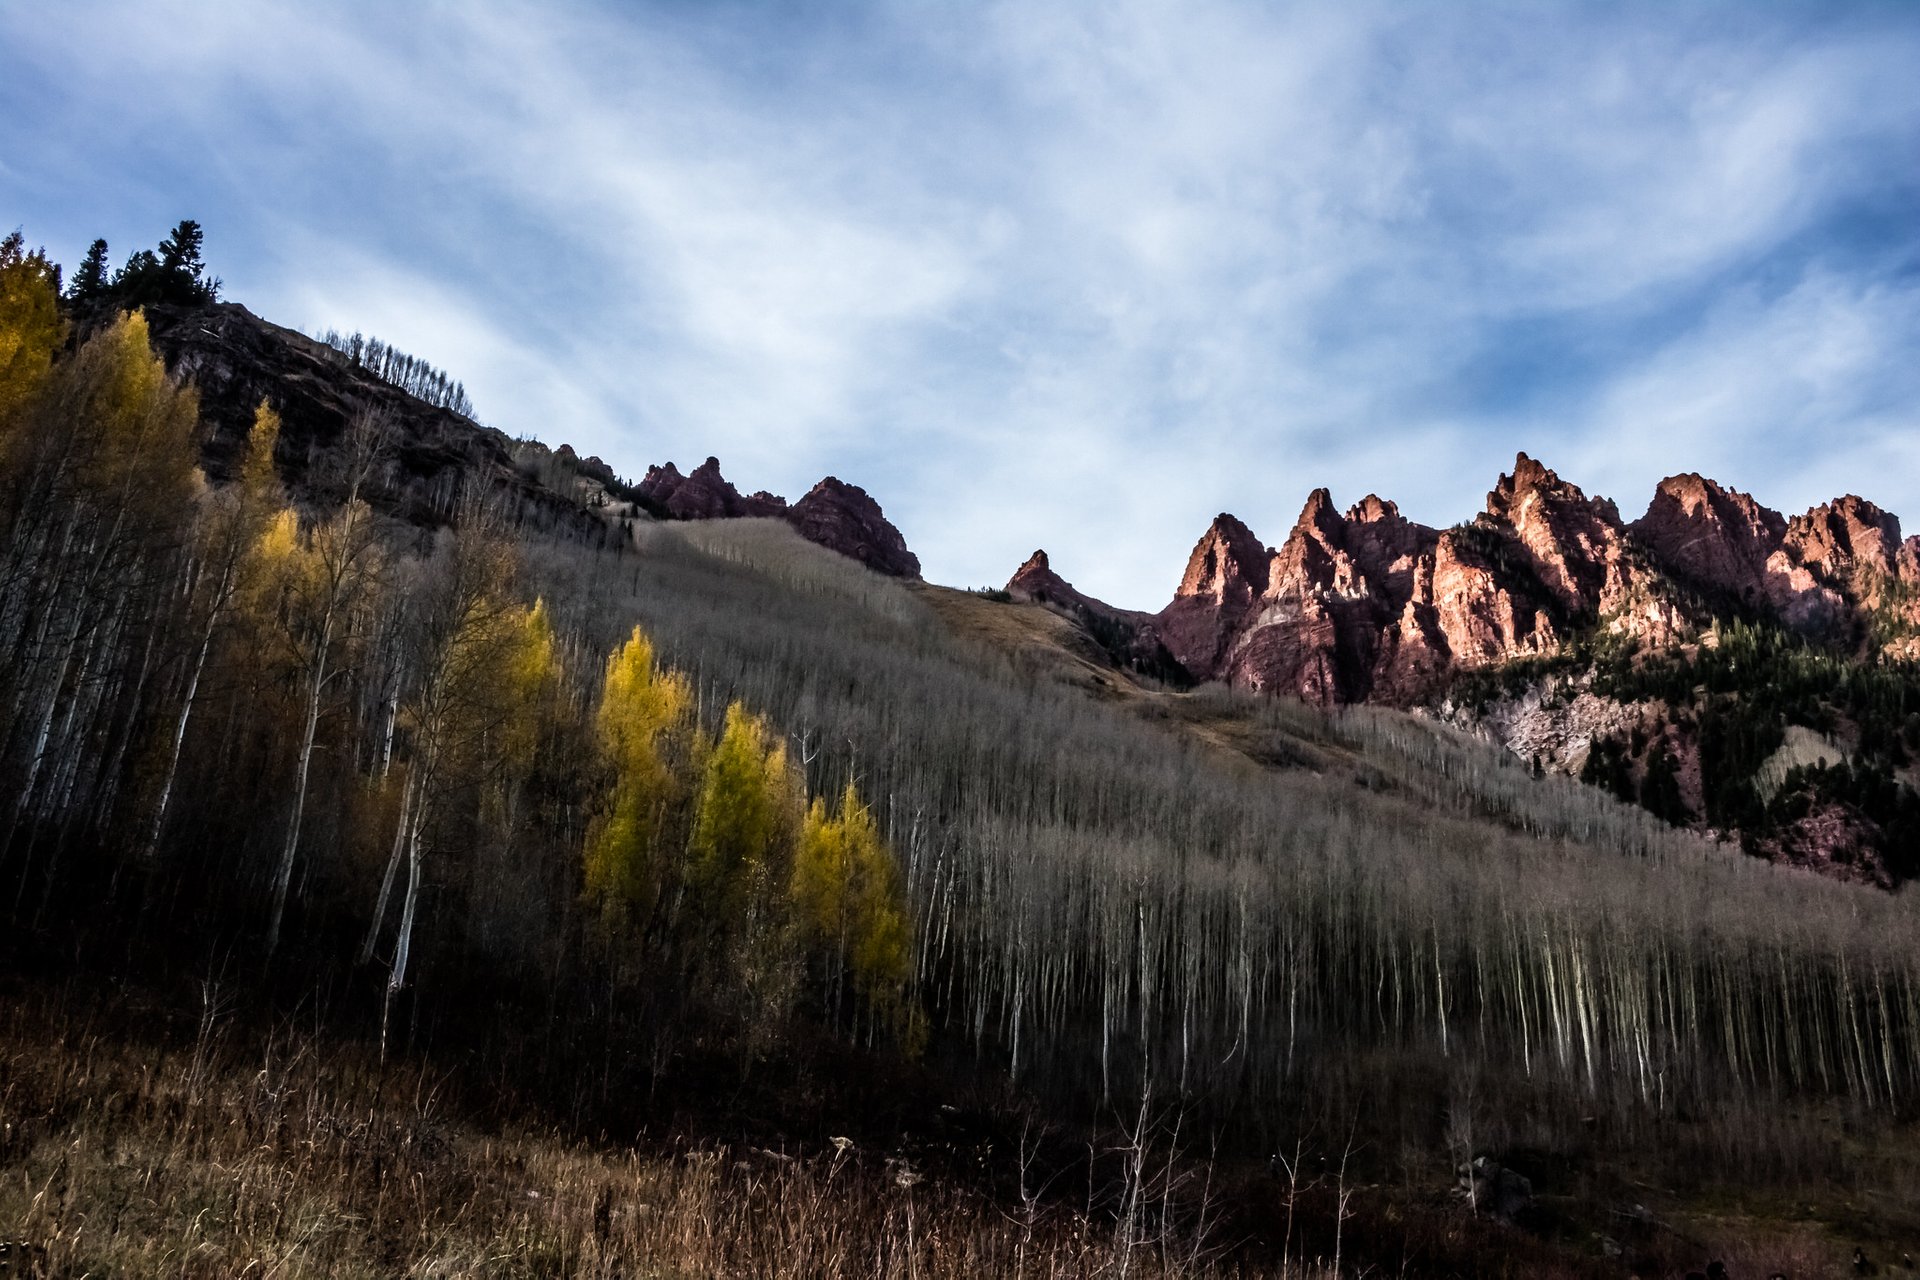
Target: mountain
<point>1669,659</point>
<point>432,457</point>
<point>1129,639</point>
<point>680,895</point>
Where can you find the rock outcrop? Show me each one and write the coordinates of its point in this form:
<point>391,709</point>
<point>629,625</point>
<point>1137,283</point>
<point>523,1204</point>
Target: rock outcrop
<point>839,516</point>
<point>1711,536</point>
<point>843,518</point>
<point>1225,575</point>
<point>1369,606</point>
<point>703,495</point>
<point>1130,638</point>
<point>431,458</point>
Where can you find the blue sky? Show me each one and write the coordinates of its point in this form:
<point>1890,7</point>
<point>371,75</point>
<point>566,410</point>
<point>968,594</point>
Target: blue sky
<point>1053,275</point>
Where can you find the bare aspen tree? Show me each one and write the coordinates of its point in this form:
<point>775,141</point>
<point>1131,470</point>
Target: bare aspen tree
<point>321,575</point>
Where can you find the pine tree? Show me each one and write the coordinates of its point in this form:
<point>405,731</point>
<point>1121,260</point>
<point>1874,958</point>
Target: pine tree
<point>182,271</point>
<point>175,276</point>
<point>90,281</point>
<point>140,281</point>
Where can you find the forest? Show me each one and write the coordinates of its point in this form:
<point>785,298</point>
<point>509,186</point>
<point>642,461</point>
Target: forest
<point>626,830</point>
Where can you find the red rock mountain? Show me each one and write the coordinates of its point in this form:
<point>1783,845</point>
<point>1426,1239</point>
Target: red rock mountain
<point>1712,535</point>
<point>1367,605</point>
<point>839,516</point>
<point>842,517</point>
<point>1225,574</point>
<point>704,495</point>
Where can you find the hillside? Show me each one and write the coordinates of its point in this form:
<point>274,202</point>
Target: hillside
<point>407,828</point>
<point>1668,660</point>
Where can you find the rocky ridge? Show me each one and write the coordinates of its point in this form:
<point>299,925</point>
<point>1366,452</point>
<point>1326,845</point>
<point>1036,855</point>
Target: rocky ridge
<point>839,516</point>
<point>1129,638</point>
<point>1368,606</point>
<point>431,458</point>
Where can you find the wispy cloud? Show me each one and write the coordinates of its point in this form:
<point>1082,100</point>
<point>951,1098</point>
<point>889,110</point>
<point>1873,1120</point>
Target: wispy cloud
<point>1055,274</point>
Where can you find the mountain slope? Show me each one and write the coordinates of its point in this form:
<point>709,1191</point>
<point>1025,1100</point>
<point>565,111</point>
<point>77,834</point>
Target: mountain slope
<point>1606,650</point>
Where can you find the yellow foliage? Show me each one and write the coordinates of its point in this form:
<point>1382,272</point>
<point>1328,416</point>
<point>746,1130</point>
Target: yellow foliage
<point>748,801</point>
<point>257,475</point>
<point>847,891</point>
<point>280,557</point>
<point>641,710</point>
<point>532,674</point>
<point>31,329</point>
<point>129,432</point>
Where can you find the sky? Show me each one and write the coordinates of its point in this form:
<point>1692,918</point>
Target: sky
<point>1052,275</point>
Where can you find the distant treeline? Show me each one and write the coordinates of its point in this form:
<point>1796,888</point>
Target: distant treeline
<point>409,373</point>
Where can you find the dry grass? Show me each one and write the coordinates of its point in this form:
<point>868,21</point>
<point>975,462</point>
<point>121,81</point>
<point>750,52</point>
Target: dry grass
<point>287,1161</point>
<point>1033,638</point>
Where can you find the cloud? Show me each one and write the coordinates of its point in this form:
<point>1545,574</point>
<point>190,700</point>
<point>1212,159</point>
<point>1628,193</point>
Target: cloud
<point>1055,274</point>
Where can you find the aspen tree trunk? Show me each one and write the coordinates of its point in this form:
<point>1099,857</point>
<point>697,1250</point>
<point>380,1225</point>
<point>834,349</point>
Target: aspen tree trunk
<point>386,880</point>
<point>283,877</point>
<point>152,843</point>
<point>403,945</point>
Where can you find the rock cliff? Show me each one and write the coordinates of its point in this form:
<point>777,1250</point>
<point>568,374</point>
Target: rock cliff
<point>433,458</point>
<point>1366,605</point>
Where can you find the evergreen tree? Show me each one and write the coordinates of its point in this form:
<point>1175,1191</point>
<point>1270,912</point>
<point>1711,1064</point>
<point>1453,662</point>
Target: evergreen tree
<point>183,272</point>
<point>175,276</point>
<point>139,282</point>
<point>90,282</point>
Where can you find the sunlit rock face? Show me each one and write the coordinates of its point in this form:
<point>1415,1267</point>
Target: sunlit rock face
<point>1366,605</point>
<point>1226,573</point>
<point>1712,535</point>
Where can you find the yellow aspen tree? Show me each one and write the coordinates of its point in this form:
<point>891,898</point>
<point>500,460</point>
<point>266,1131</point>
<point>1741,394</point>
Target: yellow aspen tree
<point>846,891</point>
<point>233,522</point>
<point>532,677</point>
<point>881,956</point>
<point>642,711</point>
<point>467,638</point>
<point>325,575</point>
<point>31,329</point>
<point>98,479</point>
<point>749,814</point>
<point>738,817</point>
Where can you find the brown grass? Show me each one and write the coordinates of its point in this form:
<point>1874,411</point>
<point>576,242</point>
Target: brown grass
<point>288,1160</point>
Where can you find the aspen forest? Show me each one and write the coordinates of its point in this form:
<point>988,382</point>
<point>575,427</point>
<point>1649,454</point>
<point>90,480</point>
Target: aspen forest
<point>625,854</point>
